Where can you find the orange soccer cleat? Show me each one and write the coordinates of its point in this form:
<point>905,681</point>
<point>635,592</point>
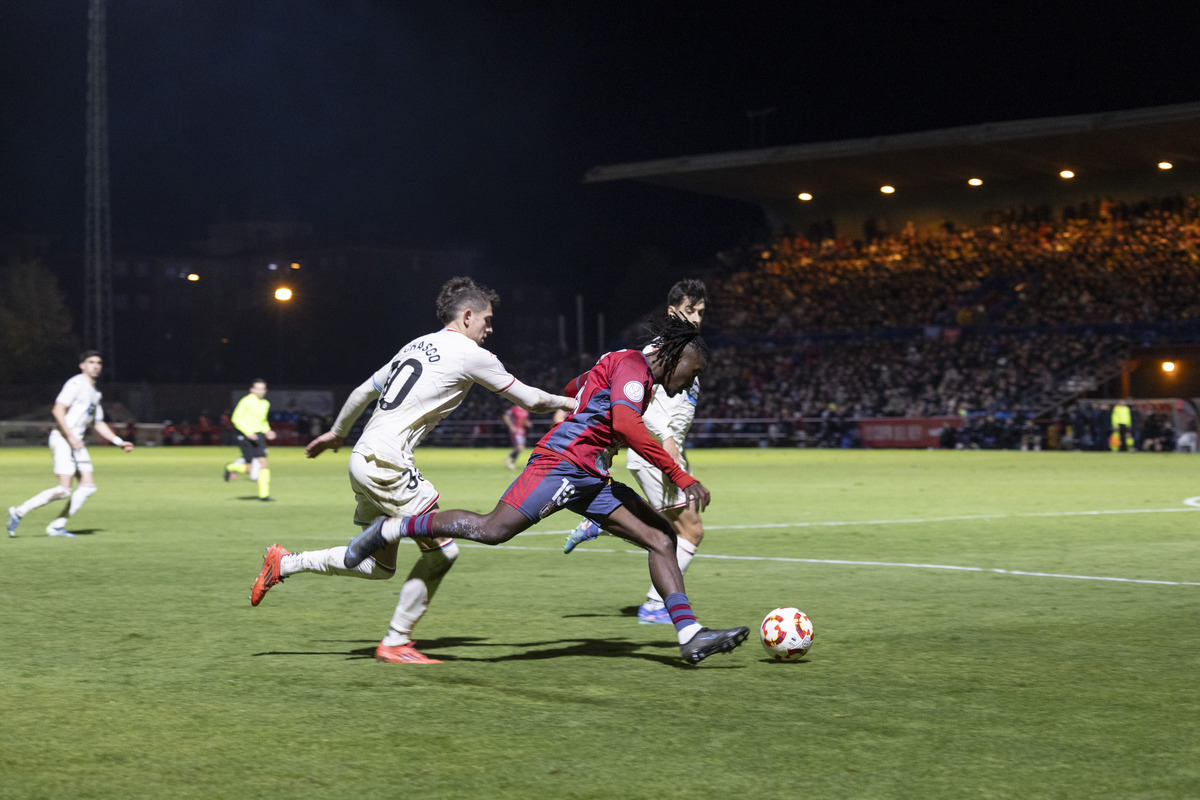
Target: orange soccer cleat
<point>269,575</point>
<point>403,654</point>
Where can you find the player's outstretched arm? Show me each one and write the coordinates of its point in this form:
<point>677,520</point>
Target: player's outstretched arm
<point>628,424</point>
<point>326,441</point>
<point>696,493</point>
<point>101,427</point>
<point>535,400</point>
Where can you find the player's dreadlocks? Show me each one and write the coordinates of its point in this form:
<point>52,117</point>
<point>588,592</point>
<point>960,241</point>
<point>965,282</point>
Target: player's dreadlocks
<point>459,293</point>
<point>671,336</point>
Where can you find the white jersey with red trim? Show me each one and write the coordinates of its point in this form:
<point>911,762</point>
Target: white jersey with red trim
<point>82,400</point>
<point>421,386</point>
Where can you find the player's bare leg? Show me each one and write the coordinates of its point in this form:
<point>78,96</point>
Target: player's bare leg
<point>689,530</point>
<point>503,523</point>
<point>636,521</point>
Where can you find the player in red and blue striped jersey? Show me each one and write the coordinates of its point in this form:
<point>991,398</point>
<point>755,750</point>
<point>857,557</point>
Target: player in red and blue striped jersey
<point>569,469</point>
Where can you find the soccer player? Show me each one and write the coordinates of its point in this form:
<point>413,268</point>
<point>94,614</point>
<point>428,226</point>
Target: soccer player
<point>517,420</point>
<point>669,419</point>
<point>250,420</point>
<point>569,468</point>
<point>77,406</point>
<point>420,386</point>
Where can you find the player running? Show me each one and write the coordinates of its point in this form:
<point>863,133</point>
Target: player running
<point>418,388</point>
<point>254,431</point>
<point>569,468</point>
<point>669,418</point>
<point>517,420</point>
<point>77,406</point>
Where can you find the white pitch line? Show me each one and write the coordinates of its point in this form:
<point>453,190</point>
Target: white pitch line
<point>922,520</point>
<point>846,562</point>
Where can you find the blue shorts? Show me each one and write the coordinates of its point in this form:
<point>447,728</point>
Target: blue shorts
<point>550,484</point>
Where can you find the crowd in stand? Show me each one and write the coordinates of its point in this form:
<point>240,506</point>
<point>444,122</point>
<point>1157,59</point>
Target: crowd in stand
<point>992,323</point>
<point>1101,263</point>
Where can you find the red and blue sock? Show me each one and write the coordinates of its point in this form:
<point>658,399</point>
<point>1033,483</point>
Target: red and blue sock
<point>682,617</point>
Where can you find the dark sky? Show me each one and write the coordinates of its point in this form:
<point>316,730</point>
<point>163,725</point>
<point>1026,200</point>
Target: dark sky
<point>472,123</point>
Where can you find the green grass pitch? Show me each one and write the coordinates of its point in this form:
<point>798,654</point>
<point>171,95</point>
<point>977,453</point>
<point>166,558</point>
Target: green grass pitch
<point>132,665</point>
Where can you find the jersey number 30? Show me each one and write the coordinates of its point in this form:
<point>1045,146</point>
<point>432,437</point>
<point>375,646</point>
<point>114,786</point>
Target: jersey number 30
<point>388,401</point>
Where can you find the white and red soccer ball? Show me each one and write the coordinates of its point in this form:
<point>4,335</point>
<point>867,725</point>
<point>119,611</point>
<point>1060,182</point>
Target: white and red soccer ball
<point>786,634</point>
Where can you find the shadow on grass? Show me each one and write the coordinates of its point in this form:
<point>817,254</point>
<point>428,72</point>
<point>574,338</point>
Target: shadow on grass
<point>627,611</point>
<point>559,648</point>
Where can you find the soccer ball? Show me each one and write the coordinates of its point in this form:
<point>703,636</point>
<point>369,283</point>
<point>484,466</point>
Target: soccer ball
<point>786,634</point>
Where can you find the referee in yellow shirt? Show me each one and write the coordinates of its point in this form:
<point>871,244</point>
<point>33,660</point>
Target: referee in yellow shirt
<point>250,419</point>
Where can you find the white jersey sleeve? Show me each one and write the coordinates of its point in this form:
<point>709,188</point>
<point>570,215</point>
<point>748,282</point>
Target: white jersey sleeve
<point>82,400</point>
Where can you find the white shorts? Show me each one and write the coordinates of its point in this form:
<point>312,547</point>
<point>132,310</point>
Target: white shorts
<point>389,490</point>
<point>658,489</point>
<point>66,460</point>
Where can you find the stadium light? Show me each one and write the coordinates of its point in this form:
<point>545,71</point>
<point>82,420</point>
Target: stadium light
<point>295,265</point>
<point>975,182</point>
<point>805,196</point>
<point>1165,165</point>
<point>193,277</point>
<point>283,294</point>
<point>1067,174</point>
<point>1168,366</point>
<point>887,189</point>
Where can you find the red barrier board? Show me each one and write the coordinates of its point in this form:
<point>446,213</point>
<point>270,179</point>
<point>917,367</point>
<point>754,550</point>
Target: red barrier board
<point>904,431</point>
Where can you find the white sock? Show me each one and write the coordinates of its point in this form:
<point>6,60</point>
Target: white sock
<point>684,551</point>
<point>79,497</point>
<point>42,498</point>
<point>331,562</point>
<point>391,529</point>
<point>254,468</point>
<point>418,589</point>
<point>686,634</point>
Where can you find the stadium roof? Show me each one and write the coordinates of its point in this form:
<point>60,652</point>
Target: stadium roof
<point>993,152</point>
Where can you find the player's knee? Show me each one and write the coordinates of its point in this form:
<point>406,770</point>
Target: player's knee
<point>61,493</point>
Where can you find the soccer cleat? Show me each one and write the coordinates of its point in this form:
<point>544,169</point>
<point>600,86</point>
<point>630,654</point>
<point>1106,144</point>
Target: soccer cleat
<point>510,462</point>
<point>227,474</point>
<point>708,642</point>
<point>267,499</point>
<point>14,519</point>
<point>269,575</point>
<point>585,531</point>
<point>403,654</point>
<point>366,544</point>
<point>653,616</point>
<point>53,531</point>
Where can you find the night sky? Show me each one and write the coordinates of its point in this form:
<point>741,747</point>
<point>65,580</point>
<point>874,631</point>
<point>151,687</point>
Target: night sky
<point>471,124</point>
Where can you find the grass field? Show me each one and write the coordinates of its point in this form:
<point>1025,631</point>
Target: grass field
<point>132,665</point>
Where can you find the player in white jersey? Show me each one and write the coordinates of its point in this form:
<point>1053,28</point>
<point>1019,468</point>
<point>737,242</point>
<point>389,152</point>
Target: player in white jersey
<point>420,386</point>
<point>669,419</point>
<point>76,407</point>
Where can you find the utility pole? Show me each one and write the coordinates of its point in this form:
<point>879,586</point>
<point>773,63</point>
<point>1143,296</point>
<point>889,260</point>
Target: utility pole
<point>97,246</point>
